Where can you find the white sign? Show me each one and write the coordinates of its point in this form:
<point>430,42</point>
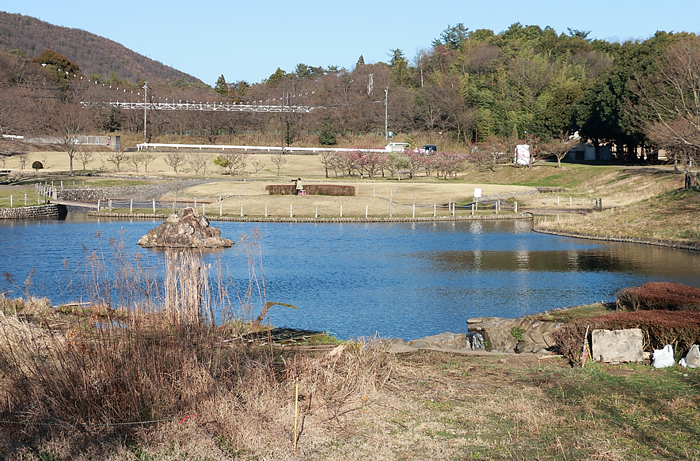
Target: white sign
<point>522,154</point>
<point>477,192</point>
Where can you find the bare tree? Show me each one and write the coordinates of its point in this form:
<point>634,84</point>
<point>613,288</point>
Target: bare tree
<point>136,160</point>
<point>560,146</point>
<point>198,162</point>
<point>258,165</point>
<point>327,159</point>
<point>175,160</point>
<point>243,162</point>
<point>147,158</point>
<point>45,160</point>
<point>84,156</point>
<point>117,158</point>
<point>12,111</point>
<point>231,161</point>
<point>495,151</point>
<point>670,101</point>
<point>69,122</point>
<point>279,160</point>
<point>22,157</point>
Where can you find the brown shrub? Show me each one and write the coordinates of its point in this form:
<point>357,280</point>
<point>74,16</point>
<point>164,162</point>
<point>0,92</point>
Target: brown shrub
<point>330,189</point>
<point>681,329</point>
<point>280,189</point>
<point>659,296</point>
<point>312,189</point>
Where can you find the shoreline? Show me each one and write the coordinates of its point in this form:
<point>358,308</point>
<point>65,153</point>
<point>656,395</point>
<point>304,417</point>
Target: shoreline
<point>94,214</point>
<point>622,239</point>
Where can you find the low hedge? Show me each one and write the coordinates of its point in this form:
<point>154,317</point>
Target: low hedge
<point>659,296</point>
<point>681,329</point>
<point>312,189</point>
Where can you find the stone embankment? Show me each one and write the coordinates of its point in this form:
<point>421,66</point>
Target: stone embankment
<point>141,192</point>
<point>31,212</point>
<point>507,195</point>
<point>488,335</point>
<point>102,214</point>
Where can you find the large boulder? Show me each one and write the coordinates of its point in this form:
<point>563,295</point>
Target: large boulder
<point>514,335</point>
<point>186,229</point>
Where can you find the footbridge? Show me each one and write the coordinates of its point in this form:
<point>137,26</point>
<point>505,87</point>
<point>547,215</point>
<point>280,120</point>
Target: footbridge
<point>216,106</point>
<point>202,106</point>
<point>70,203</point>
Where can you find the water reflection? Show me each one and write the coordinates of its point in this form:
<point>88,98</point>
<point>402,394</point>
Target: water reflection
<point>402,280</point>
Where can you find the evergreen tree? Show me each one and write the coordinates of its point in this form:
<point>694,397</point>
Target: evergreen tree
<point>275,79</point>
<point>452,37</point>
<point>326,136</point>
<point>221,86</point>
<point>399,66</point>
<point>53,58</point>
<point>288,133</point>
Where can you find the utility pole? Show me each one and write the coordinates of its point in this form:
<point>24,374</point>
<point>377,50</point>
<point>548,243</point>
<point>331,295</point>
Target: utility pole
<point>386,115</point>
<point>145,106</point>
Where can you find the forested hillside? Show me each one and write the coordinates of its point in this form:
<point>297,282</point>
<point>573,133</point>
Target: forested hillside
<point>477,93</point>
<point>94,54</point>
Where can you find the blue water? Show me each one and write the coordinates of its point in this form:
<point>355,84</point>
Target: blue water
<point>403,280</point>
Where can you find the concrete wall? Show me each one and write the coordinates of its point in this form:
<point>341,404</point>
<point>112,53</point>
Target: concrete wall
<point>113,142</point>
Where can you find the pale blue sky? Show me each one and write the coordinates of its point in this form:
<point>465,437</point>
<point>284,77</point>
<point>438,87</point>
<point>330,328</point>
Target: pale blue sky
<point>249,40</point>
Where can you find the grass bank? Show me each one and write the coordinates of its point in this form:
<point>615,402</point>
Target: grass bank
<point>670,216</point>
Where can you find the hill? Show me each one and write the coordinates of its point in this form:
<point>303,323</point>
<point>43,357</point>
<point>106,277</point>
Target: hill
<point>94,54</point>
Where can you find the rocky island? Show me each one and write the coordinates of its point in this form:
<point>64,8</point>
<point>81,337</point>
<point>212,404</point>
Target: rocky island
<point>186,229</point>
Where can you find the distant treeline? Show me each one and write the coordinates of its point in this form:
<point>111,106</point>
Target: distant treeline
<point>473,87</point>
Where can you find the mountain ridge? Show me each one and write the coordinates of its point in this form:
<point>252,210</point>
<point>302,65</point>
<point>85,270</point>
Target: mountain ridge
<point>93,53</point>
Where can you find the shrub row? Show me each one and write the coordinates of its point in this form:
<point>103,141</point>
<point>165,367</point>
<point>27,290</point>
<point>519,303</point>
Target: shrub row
<point>659,296</point>
<point>681,329</point>
<point>312,189</point>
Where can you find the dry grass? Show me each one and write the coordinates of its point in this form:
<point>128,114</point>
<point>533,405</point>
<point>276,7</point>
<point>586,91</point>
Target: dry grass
<point>668,216</point>
<point>616,185</point>
<point>372,198</point>
<point>355,402</point>
<point>130,369</point>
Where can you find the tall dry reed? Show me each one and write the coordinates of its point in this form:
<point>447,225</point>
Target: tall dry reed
<point>148,353</point>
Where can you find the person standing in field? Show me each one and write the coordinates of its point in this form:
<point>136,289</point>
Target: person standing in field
<point>299,186</point>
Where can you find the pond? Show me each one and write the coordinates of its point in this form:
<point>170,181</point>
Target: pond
<point>403,280</point>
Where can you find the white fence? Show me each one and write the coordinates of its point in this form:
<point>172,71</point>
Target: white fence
<point>310,150</point>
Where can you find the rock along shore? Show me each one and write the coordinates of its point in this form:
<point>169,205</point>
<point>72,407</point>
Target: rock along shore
<point>487,335</point>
